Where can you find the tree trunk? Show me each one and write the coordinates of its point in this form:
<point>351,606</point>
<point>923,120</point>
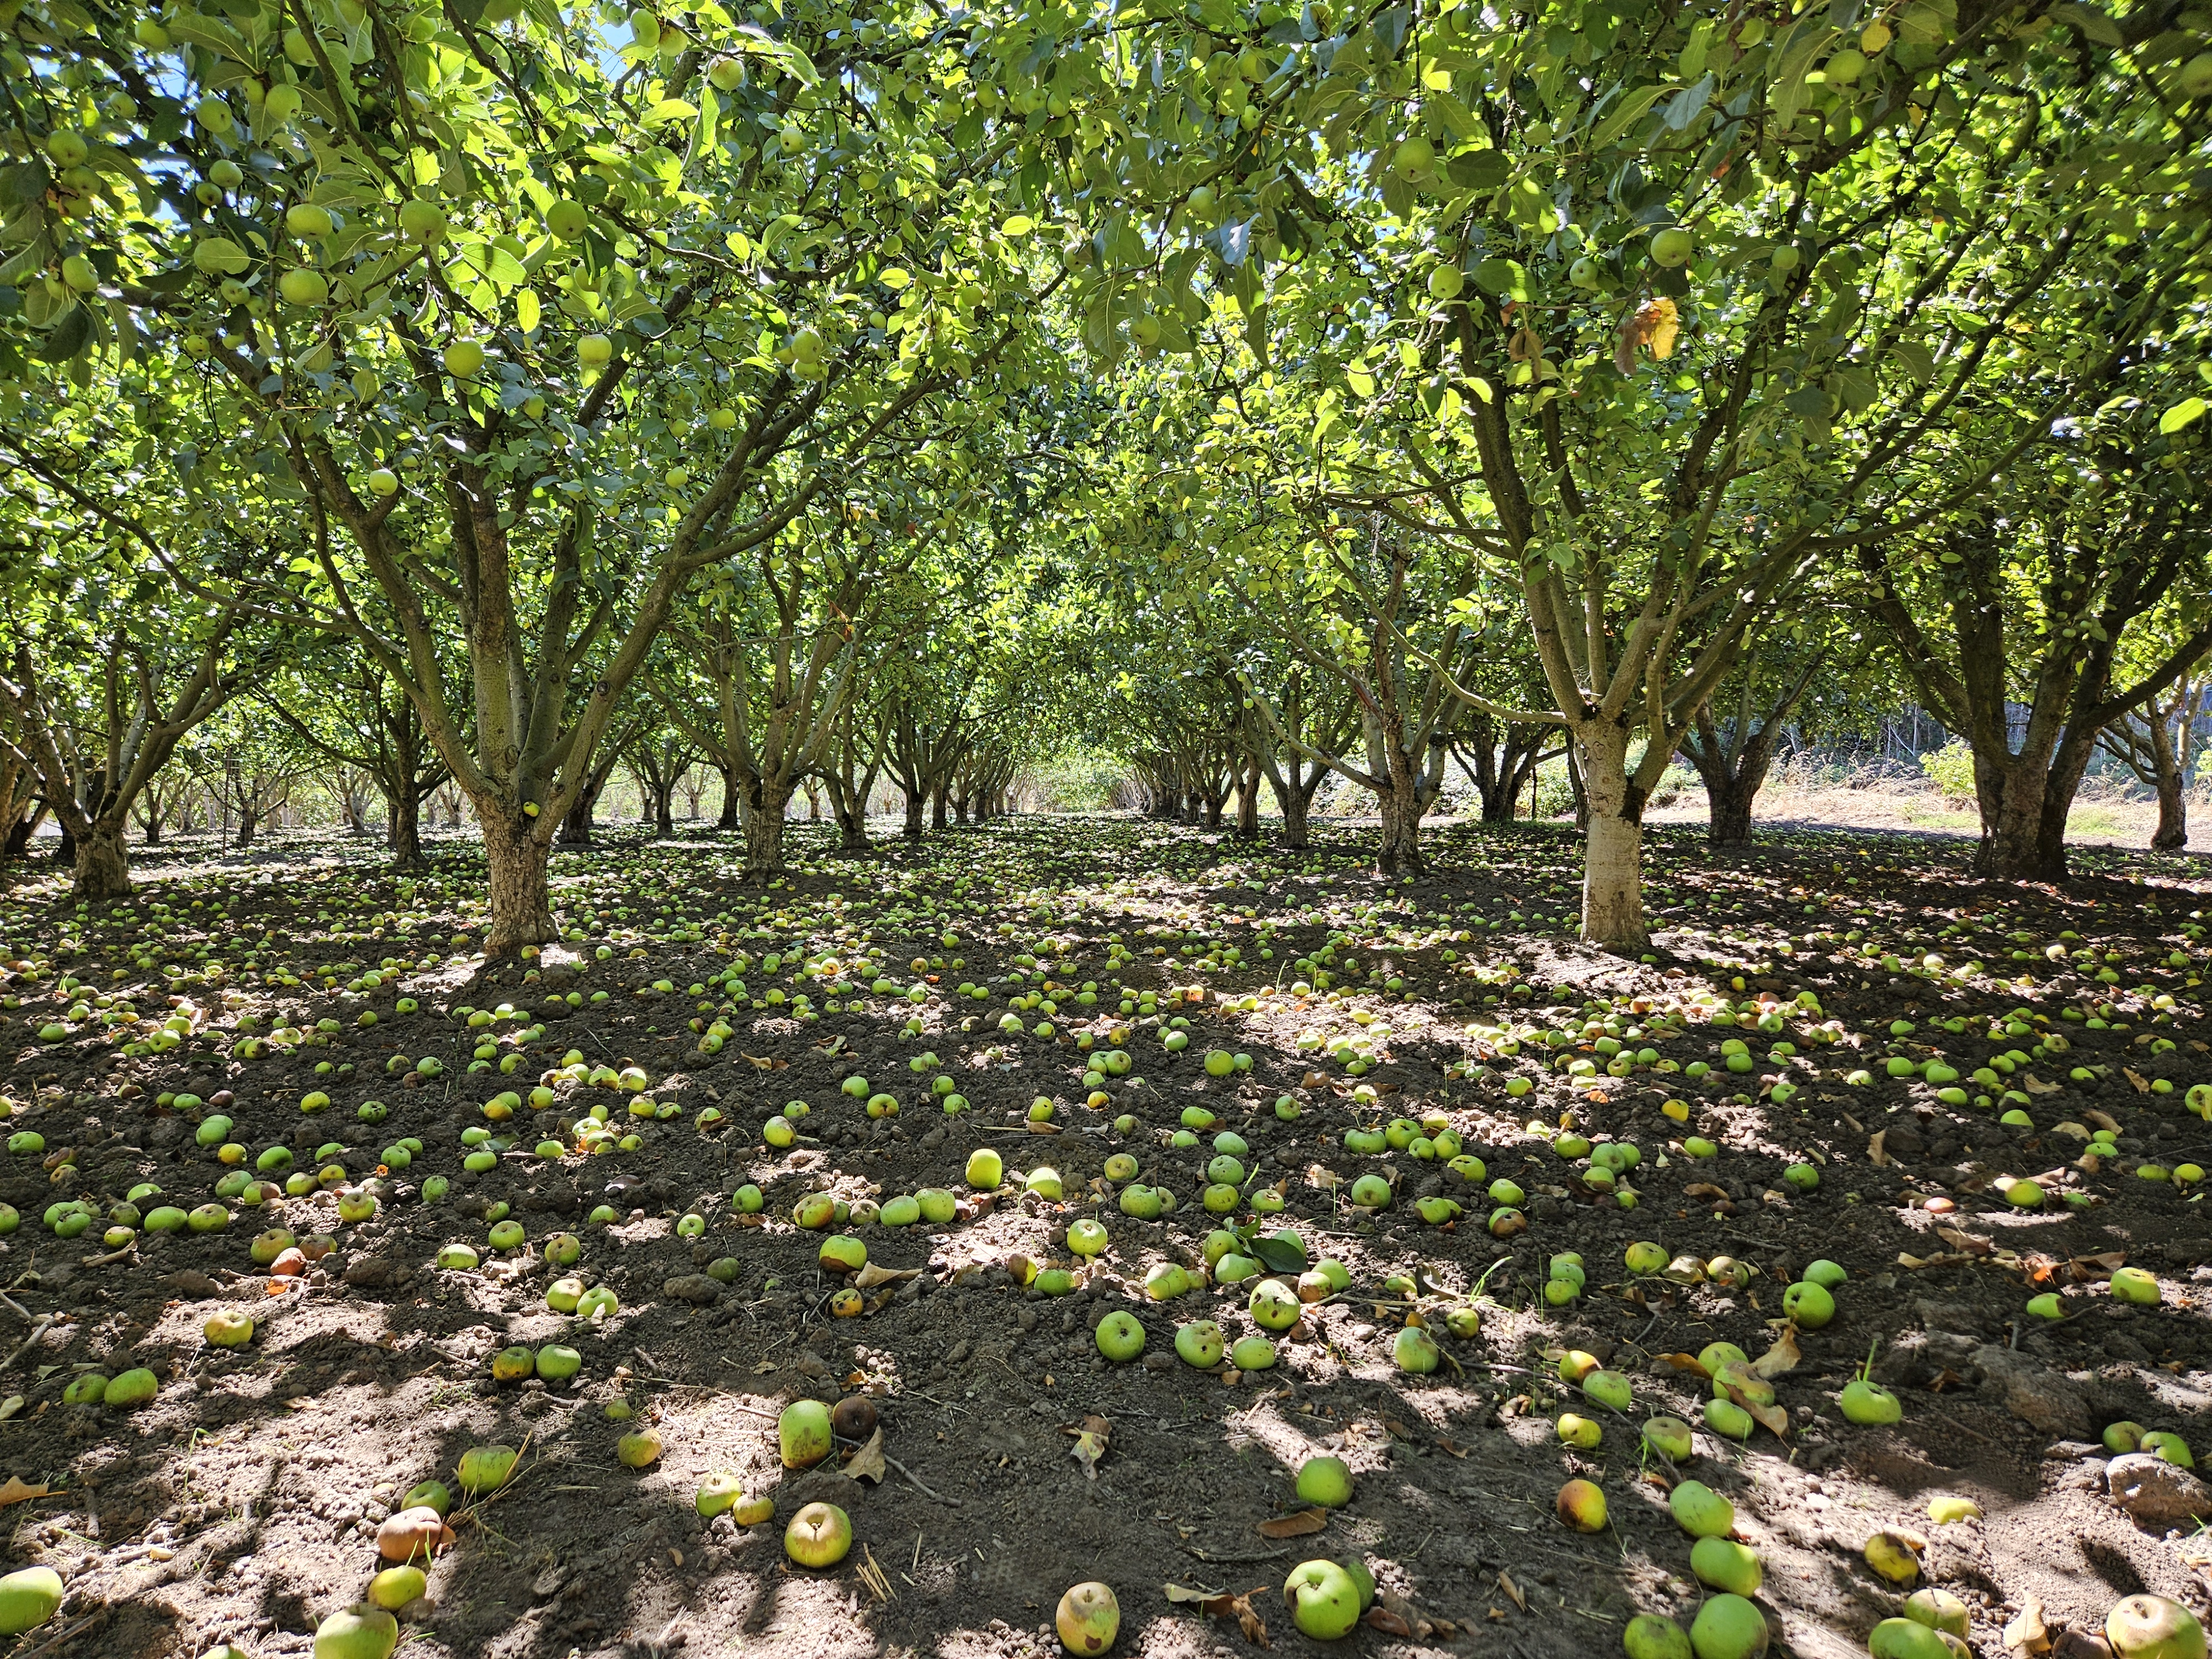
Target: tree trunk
<point>2173,833</point>
<point>852,830</point>
<point>1613,856</point>
<point>576,827</point>
<point>664,810</point>
<point>21,831</point>
<point>103,869</point>
<point>1401,850</point>
<point>1248,804</point>
<point>153,830</point>
<point>937,807</point>
<point>2012,799</point>
<point>404,837</point>
<point>246,826</point>
<point>521,908</point>
<point>911,829</point>
<point>1729,807</point>
<point>1296,802</point>
<point>764,818</point>
<point>728,820</point>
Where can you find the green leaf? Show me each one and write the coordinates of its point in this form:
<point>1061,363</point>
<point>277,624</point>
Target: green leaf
<point>525,309</point>
<point>71,330</point>
<point>1503,279</point>
<point>1279,1255</point>
<point>2184,414</point>
<point>1630,109</point>
<point>2093,23</point>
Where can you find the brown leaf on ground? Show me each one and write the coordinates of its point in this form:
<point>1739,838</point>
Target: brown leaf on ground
<point>1963,1240</point>
<point>874,1273</point>
<point>1684,1362</point>
<point>17,1492</point>
<point>1782,1357</point>
<point>2103,1119</point>
<point>763,1063</point>
<point>1704,1189</point>
<point>1505,1583</point>
<point>1390,1624</point>
<point>2099,1266</point>
<point>1880,1159</point>
<point>1295,1526</point>
<point>867,1463</point>
<point>2141,1083</point>
<point>2027,1633</point>
<point>1091,1436</point>
<point>1222,1605</point>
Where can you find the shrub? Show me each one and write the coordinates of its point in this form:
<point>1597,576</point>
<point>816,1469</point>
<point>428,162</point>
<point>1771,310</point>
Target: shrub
<point>1951,769</point>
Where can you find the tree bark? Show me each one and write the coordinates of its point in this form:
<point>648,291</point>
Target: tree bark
<point>103,868</point>
<point>728,819</point>
<point>937,808</point>
<point>2172,832</point>
<point>911,829</point>
<point>1248,802</point>
<point>1613,854</point>
<point>764,832</point>
<point>403,836</point>
<point>521,906</point>
<point>1728,804</point>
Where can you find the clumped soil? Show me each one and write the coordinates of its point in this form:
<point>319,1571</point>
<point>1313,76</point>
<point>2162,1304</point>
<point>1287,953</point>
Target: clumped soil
<point>242,1504</point>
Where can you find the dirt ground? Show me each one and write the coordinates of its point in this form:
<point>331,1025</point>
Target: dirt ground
<point>242,1502</point>
<point>2110,820</point>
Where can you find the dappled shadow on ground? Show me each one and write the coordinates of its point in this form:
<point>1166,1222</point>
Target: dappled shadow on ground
<point>243,1502</point>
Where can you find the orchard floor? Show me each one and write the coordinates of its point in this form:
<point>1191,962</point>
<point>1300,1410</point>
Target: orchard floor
<point>241,1503</point>
<point>2109,821</point>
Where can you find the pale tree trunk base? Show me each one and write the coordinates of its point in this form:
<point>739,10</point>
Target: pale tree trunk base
<point>404,838</point>
<point>103,868</point>
<point>2173,833</point>
<point>1612,842</point>
<point>521,904</point>
<point>764,835</point>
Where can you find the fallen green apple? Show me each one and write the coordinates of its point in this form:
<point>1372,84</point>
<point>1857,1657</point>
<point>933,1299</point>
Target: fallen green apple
<point>1726,1566</point>
<point>1325,1481</point>
<point>1700,1511</point>
<point>719,1491</point>
<point>1727,1627</point>
<point>1581,1506</point>
<point>1608,1388</point>
<point>395,1587</point>
<point>819,1536</point>
<point>1654,1636</point>
<point>639,1449</point>
<point>985,1170</point>
<point>1274,1306</point>
<point>1727,1419</point>
<point>132,1388</point>
<point>228,1329</point>
<point>1414,1351</point>
<point>28,1597</point>
<point>803,1434</point>
<point>428,1495</point>
<point>2162,1443</point>
<point>1906,1638</point>
<point>2141,1627</point>
<point>360,1633</point>
<point>1579,1431</point>
<point>1323,1599</point>
<point>1088,1619</point>
<point>2123,1437</point>
<point>1253,1353</point>
<point>1869,1404</point>
<point>1670,1436</point>
<point>1895,1555</point>
<point>1939,1609</point>
<point>556,1362</point>
<point>1200,1343</point>
<point>485,1468</point>
<point>2134,1287</point>
<point>1121,1336</point>
<point>1808,1305</point>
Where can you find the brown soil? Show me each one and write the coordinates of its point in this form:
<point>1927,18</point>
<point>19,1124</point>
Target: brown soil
<point>241,1503</point>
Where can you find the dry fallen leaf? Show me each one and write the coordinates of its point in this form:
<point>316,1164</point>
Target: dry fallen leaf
<point>2103,1119</point>
<point>15,1491</point>
<point>1704,1189</point>
<point>1505,1583</point>
<point>2026,1634</point>
<point>874,1273</point>
<point>1880,1159</point>
<point>1390,1624</point>
<point>1963,1240</point>
<point>867,1463</point>
<point>1782,1357</point>
<point>1090,1438</point>
<point>2036,1085</point>
<point>1684,1362</point>
<point>1295,1526</point>
<point>2141,1083</point>
<point>1223,1605</point>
